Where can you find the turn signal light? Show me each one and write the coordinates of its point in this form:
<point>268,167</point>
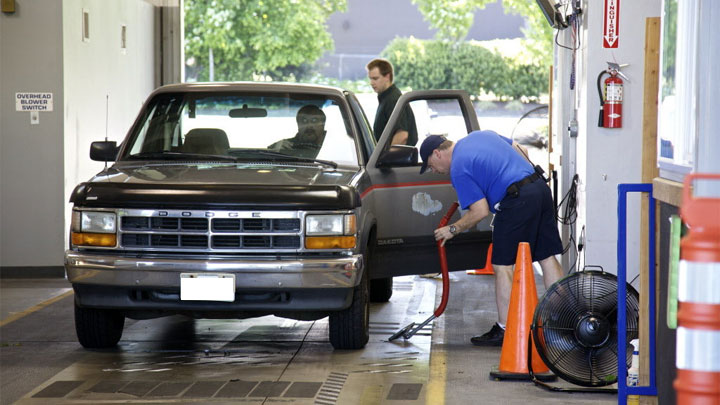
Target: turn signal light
<point>329,242</point>
<point>94,239</point>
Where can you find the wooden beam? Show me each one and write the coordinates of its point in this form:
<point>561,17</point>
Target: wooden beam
<point>649,172</point>
<point>668,191</point>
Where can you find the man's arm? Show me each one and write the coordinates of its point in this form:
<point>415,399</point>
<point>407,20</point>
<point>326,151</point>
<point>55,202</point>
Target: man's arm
<point>402,127</point>
<point>476,212</point>
<point>400,137</point>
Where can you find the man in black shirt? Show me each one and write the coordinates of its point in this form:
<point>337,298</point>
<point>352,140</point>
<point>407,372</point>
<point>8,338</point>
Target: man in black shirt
<point>380,73</point>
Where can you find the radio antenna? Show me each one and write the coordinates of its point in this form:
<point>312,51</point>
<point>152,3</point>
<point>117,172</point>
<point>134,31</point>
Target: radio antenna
<point>107,109</point>
<point>107,113</point>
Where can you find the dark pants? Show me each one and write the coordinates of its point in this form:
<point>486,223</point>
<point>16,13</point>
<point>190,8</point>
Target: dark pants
<point>529,217</point>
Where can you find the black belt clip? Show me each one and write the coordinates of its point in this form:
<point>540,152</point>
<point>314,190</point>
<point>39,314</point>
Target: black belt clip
<point>514,189</point>
<point>540,172</point>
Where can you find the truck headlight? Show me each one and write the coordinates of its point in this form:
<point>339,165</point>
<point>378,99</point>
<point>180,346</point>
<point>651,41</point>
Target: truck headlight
<point>336,231</point>
<point>93,228</point>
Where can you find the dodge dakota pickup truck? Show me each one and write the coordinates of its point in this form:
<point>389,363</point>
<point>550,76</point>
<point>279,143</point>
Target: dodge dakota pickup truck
<point>238,200</point>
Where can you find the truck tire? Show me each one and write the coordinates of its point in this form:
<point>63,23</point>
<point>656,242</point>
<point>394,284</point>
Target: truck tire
<point>98,328</point>
<point>350,328</point>
<point>381,289</point>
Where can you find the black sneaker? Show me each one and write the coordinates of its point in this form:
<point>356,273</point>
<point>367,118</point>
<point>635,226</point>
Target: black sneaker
<point>492,338</point>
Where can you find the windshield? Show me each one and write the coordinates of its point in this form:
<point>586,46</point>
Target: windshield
<point>235,126</point>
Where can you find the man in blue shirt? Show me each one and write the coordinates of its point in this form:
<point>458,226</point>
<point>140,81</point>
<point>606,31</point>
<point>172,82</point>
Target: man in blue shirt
<point>492,174</point>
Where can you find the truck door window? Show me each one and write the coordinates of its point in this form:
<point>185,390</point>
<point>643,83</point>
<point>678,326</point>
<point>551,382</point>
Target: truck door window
<point>439,117</point>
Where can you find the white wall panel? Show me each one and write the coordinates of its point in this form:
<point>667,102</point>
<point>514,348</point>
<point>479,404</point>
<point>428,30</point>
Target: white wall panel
<point>612,156</point>
<point>104,84</point>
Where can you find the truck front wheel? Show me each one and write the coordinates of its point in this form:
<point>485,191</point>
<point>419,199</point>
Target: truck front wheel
<point>350,328</point>
<point>98,328</point>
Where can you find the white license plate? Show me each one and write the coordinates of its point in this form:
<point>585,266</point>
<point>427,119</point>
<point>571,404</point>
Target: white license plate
<point>207,287</point>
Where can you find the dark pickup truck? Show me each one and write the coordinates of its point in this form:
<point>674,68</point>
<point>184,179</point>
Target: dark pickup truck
<point>237,200</point>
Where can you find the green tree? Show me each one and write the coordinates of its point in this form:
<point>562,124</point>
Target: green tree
<point>275,38</point>
<point>436,64</point>
<point>538,33</point>
<point>454,18</point>
<point>451,18</point>
<point>669,44</point>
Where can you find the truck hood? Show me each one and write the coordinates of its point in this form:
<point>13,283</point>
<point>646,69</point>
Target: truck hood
<point>219,186</point>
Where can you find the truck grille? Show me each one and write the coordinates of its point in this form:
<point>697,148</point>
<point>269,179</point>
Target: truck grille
<point>220,231</point>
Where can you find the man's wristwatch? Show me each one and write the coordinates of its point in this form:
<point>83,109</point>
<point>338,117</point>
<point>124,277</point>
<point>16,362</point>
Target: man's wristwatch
<point>453,230</point>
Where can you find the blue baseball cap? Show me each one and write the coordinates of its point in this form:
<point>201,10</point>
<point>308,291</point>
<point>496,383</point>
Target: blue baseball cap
<point>428,146</point>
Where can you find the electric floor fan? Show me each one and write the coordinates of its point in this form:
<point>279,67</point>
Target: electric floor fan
<point>575,329</point>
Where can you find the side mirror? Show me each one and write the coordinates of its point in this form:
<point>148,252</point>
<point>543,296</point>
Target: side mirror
<point>104,151</point>
<point>398,156</point>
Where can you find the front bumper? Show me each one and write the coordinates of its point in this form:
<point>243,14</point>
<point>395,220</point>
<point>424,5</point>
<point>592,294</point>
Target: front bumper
<point>262,284</point>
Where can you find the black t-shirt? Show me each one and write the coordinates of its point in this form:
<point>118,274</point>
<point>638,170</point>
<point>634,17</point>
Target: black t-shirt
<point>386,103</point>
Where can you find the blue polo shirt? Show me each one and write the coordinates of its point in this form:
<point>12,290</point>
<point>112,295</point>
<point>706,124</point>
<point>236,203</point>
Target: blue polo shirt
<point>484,164</point>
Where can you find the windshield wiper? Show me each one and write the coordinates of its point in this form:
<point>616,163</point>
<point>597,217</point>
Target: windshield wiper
<point>283,156</point>
<point>180,156</point>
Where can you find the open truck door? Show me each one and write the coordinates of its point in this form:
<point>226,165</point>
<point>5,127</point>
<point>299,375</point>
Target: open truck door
<point>409,205</point>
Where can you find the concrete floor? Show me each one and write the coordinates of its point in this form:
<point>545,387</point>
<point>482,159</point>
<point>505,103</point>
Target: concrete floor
<point>264,360</point>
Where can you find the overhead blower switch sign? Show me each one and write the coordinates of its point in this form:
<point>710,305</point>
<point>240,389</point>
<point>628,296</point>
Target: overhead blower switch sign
<point>612,21</point>
<point>33,101</point>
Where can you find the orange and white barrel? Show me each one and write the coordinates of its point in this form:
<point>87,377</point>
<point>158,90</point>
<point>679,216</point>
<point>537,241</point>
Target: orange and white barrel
<point>698,333</point>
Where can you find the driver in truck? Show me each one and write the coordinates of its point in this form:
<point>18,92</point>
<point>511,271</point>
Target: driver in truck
<point>310,135</point>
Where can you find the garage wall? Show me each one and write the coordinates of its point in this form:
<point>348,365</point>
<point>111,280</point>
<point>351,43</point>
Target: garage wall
<point>604,158</point>
<point>102,80</point>
<point>42,50</point>
<point>31,156</point>
<point>614,156</point>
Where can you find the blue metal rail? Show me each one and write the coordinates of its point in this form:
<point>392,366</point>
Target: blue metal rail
<point>623,389</point>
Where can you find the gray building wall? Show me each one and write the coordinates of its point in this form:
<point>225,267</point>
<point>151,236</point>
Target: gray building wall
<point>42,50</point>
<point>31,156</point>
<point>363,31</point>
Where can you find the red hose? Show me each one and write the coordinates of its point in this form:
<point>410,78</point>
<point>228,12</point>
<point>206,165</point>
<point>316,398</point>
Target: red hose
<point>443,263</point>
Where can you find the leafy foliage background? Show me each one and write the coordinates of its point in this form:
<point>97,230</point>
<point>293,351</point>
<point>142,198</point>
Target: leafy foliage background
<point>255,38</point>
<point>283,39</point>
<point>470,66</point>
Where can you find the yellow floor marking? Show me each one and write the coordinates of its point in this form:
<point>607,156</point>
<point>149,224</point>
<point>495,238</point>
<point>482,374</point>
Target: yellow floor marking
<point>371,395</point>
<point>34,308</point>
<point>437,376</point>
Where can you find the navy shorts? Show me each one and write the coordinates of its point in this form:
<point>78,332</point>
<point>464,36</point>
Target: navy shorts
<point>527,217</point>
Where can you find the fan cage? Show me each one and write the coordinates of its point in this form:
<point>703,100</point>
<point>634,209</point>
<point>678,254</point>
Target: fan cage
<point>575,328</point>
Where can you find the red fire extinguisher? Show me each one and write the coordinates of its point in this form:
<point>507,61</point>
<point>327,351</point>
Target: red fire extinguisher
<point>612,98</point>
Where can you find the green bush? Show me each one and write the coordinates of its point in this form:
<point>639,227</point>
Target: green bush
<point>433,64</point>
<point>356,86</point>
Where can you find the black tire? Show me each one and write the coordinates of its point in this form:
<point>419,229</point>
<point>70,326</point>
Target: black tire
<point>350,328</point>
<point>98,328</point>
<point>381,289</point>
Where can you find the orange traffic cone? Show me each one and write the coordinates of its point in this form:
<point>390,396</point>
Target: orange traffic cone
<point>488,269</point>
<point>523,300</point>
